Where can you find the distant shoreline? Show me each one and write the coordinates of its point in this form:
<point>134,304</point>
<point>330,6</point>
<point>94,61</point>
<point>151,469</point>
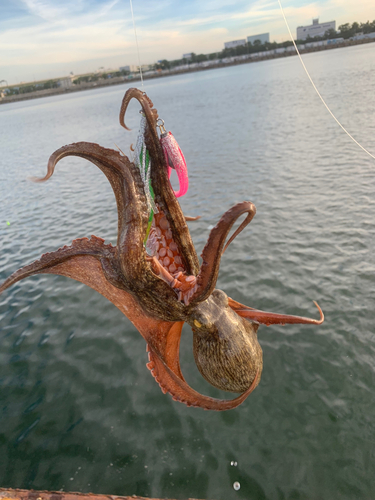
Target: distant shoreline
<point>121,80</point>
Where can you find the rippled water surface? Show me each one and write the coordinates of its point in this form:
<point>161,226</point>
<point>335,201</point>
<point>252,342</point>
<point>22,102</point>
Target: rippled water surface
<point>79,410</point>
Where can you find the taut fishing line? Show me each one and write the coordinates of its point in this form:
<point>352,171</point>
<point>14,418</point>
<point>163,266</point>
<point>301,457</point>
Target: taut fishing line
<point>136,41</point>
<point>316,90</point>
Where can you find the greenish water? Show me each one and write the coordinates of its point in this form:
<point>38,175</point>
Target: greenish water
<point>79,410</point>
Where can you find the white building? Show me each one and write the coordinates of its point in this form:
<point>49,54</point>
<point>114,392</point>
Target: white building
<point>234,43</point>
<point>263,38</point>
<point>66,83</point>
<point>189,55</point>
<point>361,36</point>
<point>133,68</point>
<point>315,29</point>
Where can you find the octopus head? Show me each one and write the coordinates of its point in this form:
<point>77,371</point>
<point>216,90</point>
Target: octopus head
<point>226,347</point>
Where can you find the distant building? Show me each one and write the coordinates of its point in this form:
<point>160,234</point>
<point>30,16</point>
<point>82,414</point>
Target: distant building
<point>134,68</point>
<point>64,83</point>
<point>263,38</point>
<point>361,36</point>
<point>187,56</point>
<point>234,43</point>
<point>128,68</point>
<point>315,29</point>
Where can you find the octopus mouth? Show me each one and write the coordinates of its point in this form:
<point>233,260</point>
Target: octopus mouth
<point>166,259</point>
<point>167,242</point>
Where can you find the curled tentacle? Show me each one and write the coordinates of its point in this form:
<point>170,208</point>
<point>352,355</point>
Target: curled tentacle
<point>147,107</point>
<point>163,352</point>
<point>267,318</point>
<point>131,268</point>
<point>164,195</point>
<point>128,188</point>
<point>214,248</point>
<point>81,262</point>
<point>180,391</point>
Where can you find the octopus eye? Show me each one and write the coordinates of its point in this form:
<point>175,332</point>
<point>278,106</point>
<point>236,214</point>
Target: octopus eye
<point>201,321</point>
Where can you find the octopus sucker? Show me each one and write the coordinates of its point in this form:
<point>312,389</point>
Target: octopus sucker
<point>169,257</point>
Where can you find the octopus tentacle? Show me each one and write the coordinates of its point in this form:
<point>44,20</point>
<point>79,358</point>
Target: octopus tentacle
<point>163,346</point>
<point>167,347</point>
<point>214,248</point>
<point>81,247</point>
<point>128,188</point>
<point>145,102</point>
<point>180,391</point>
<point>81,262</point>
<point>267,318</point>
<point>188,218</point>
<point>164,194</point>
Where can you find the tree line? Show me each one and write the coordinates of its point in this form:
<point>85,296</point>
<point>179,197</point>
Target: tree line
<point>344,31</point>
<point>31,87</point>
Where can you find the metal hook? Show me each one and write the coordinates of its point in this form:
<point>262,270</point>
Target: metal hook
<point>161,126</point>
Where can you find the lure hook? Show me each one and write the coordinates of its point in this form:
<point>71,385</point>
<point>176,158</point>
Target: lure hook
<point>161,126</point>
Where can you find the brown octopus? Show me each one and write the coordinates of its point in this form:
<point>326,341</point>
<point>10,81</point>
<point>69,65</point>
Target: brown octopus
<point>159,293</point>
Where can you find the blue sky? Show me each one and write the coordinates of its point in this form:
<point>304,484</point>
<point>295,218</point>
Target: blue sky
<point>49,38</point>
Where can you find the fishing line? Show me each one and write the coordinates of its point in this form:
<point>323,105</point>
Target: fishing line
<point>136,41</point>
<point>316,90</point>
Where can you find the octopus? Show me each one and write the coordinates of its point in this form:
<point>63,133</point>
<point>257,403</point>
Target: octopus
<point>154,277</point>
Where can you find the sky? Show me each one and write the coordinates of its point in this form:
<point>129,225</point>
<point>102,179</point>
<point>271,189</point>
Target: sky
<point>41,39</point>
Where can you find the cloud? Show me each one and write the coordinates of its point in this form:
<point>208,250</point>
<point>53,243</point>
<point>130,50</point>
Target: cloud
<point>49,32</point>
<point>46,10</point>
<point>73,43</point>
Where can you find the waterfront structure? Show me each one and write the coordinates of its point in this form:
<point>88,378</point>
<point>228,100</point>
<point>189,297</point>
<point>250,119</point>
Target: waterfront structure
<point>263,38</point>
<point>64,83</point>
<point>234,43</point>
<point>134,68</point>
<point>314,29</point>
<point>362,36</point>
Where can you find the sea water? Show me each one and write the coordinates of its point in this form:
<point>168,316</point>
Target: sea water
<point>79,411</point>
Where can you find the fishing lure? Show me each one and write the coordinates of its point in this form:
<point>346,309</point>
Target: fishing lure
<point>174,158</point>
